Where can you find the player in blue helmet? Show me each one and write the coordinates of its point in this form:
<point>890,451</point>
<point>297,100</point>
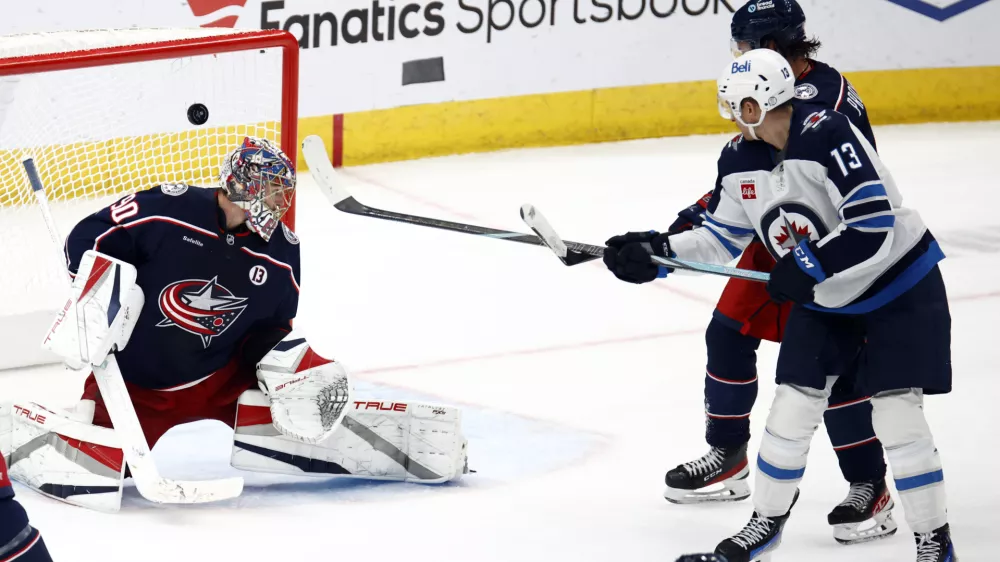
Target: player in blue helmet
<point>745,315</point>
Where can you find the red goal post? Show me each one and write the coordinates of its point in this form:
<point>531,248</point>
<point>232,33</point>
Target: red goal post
<point>107,112</point>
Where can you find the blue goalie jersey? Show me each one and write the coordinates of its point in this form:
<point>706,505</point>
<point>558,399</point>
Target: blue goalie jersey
<point>828,198</point>
<point>206,289</point>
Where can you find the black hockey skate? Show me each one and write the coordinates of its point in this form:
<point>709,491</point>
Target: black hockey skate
<point>728,467</point>
<point>864,515</point>
<point>935,546</point>
<point>702,558</point>
<point>757,539</point>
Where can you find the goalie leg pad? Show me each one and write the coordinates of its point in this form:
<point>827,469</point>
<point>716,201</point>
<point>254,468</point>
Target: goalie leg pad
<point>59,456</point>
<point>377,440</point>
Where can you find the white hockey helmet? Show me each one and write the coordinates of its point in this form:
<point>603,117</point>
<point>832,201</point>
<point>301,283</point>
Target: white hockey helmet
<point>762,75</point>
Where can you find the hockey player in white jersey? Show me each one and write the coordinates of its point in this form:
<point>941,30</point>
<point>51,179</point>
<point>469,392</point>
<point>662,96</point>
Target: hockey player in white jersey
<point>862,271</point>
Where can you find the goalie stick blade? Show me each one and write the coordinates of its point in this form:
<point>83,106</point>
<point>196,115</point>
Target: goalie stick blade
<point>165,490</point>
<point>136,451</point>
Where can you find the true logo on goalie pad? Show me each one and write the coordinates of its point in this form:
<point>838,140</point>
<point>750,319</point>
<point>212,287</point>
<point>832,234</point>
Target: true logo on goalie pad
<point>203,308</point>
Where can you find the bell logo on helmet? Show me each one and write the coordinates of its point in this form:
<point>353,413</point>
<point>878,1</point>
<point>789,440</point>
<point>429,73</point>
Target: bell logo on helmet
<point>741,68</point>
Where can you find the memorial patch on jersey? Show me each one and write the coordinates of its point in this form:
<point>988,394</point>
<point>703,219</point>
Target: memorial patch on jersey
<point>289,235</point>
<point>806,91</point>
<point>788,224</point>
<point>174,188</point>
<point>203,308</point>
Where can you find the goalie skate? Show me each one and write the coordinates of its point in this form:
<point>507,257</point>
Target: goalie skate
<point>864,515</point>
<point>719,476</point>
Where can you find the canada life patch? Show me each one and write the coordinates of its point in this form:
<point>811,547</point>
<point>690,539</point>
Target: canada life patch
<point>748,189</point>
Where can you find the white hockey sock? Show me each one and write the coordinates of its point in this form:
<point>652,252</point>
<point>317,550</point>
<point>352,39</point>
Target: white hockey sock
<point>900,424</point>
<point>795,414</point>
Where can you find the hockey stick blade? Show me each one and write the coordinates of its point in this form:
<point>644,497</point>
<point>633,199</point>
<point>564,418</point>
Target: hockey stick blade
<point>335,187</point>
<point>109,379</point>
<point>146,476</point>
<point>540,225</point>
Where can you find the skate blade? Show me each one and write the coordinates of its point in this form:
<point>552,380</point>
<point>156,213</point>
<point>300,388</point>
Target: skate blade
<point>882,526</point>
<point>731,491</point>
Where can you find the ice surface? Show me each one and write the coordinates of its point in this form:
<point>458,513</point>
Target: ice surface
<point>579,391</point>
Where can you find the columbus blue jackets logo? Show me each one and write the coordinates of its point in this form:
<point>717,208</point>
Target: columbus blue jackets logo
<point>203,308</point>
<point>789,224</point>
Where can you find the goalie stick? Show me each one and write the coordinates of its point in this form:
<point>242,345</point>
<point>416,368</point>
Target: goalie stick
<point>540,225</point>
<point>335,186</point>
<point>146,476</point>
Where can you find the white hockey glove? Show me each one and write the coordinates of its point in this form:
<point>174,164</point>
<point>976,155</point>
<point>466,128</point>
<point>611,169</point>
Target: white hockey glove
<point>100,313</point>
<point>308,394</point>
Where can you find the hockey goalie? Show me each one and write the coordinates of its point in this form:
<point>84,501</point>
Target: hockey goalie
<point>192,292</point>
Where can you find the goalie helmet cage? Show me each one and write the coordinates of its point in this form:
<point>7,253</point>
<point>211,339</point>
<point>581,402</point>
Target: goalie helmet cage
<point>105,113</point>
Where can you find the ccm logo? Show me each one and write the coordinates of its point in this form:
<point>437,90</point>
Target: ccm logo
<point>882,502</point>
<point>748,190</point>
<point>390,407</point>
<point>35,417</point>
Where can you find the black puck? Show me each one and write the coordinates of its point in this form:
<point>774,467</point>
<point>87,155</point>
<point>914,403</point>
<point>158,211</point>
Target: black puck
<point>198,114</point>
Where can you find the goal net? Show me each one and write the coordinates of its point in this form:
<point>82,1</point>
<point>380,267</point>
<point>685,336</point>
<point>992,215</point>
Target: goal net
<point>108,112</point>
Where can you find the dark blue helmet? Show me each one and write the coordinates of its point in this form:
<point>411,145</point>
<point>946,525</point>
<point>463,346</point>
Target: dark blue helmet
<point>758,20</point>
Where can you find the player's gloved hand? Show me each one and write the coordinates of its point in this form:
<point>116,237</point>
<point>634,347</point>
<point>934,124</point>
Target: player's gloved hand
<point>692,216</point>
<point>627,256</point>
<point>795,276</point>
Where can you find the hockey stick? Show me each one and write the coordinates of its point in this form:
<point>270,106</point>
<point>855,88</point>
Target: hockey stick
<point>540,225</point>
<point>336,188</point>
<point>147,477</point>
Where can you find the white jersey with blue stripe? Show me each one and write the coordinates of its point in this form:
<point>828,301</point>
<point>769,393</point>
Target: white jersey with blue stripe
<point>828,198</point>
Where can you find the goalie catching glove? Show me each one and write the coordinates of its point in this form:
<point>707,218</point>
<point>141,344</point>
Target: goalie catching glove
<point>100,314</point>
<point>307,393</point>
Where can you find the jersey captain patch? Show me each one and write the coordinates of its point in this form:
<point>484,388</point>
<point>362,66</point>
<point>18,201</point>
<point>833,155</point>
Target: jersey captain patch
<point>788,224</point>
<point>203,308</point>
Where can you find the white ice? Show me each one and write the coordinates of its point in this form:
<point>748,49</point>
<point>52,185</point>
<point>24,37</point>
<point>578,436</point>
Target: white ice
<point>579,391</point>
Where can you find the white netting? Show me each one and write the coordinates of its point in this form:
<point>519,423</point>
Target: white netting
<point>98,133</point>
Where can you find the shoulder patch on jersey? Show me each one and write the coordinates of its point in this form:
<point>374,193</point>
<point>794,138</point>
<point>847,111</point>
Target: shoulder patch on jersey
<point>806,91</point>
<point>289,235</point>
<point>814,121</point>
<point>174,189</point>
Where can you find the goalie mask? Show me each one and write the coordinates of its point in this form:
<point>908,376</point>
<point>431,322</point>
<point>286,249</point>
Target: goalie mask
<point>260,179</point>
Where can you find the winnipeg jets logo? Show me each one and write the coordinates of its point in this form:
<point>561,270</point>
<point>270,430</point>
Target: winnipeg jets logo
<point>814,120</point>
<point>788,225</point>
<point>203,308</point>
